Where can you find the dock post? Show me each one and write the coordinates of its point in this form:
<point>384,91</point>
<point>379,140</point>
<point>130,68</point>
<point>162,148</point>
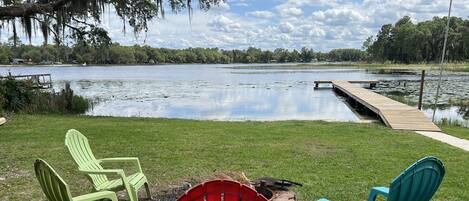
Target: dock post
<point>422,80</point>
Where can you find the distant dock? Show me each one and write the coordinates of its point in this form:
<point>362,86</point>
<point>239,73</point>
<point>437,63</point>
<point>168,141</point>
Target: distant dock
<point>394,114</point>
<point>40,81</point>
<point>372,83</point>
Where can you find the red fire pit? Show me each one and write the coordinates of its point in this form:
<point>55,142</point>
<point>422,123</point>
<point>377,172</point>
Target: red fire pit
<point>218,190</point>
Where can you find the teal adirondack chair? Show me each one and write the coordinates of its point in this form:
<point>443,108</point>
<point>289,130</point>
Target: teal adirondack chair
<point>418,182</point>
<point>80,150</point>
<point>56,189</point>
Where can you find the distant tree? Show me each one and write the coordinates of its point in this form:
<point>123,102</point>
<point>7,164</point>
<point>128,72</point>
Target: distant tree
<point>253,55</point>
<point>306,54</point>
<point>14,41</point>
<point>349,54</point>
<point>406,42</point>
<point>381,47</point>
<point>281,55</point>
<point>140,55</point>
<point>267,56</point>
<point>121,54</point>
<point>6,55</point>
<point>33,55</point>
<point>294,56</point>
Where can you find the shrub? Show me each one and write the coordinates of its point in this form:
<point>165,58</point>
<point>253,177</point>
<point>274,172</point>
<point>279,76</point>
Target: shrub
<point>20,96</point>
<point>15,94</point>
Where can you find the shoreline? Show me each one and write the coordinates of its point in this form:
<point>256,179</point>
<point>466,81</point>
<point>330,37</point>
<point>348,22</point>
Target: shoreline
<point>461,66</point>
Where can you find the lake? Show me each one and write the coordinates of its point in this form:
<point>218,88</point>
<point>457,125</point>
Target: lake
<point>236,92</point>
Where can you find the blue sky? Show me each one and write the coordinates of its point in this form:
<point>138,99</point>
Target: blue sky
<point>269,24</point>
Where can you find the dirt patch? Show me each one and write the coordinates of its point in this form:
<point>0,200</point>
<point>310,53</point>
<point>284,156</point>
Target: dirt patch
<point>14,174</point>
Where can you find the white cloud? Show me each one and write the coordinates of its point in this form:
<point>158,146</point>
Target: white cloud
<point>292,11</point>
<point>299,3</point>
<point>241,3</point>
<point>286,27</point>
<point>261,14</point>
<point>224,24</point>
<point>340,16</point>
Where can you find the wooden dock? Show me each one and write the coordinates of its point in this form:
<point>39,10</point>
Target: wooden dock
<point>40,81</point>
<point>372,83</point>
<point>393,113</point>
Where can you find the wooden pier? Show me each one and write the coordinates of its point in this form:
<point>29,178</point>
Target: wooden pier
<point>40,81</point>
<point>393,113</point>
<point>372,83</point>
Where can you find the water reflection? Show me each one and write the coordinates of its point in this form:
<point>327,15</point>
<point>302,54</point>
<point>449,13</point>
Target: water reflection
<point>449,114</point>
<point>204,100</point>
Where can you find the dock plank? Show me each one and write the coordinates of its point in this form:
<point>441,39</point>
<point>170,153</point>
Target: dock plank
<point>393,113</point>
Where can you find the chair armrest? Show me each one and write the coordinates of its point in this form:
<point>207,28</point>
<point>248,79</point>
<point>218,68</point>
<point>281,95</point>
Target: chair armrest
<point>375,191</point>
<point>323,199</point>
<point>97,196</point>
<point>120,159</point>
<point>134,160</point>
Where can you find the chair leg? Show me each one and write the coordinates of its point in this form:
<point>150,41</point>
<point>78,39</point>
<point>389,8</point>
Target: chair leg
<point>135,194</point>
<point>375,191</point>
<point>114,198</point>
<point>147,188</point>
<point>372,196</point>
<point>132,193</point>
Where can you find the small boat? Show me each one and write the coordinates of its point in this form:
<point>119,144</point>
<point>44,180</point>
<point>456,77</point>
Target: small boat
<point>84,64</point>
<point>2,120</point>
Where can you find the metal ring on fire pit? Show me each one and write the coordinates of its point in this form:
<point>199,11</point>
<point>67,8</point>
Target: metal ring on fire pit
<point>218,190</point>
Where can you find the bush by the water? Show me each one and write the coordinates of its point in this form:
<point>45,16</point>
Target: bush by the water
<point>22,96</point>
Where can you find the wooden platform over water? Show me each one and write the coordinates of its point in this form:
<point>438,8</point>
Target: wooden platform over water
<point>372,83</point>
<point>393,113</point>
<point>40,81</point>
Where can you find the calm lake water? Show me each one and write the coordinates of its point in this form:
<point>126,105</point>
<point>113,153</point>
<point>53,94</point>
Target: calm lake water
<point>217,92</point>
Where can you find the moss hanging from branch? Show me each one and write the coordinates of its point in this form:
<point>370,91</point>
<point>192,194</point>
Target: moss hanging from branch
<point>75,15</point>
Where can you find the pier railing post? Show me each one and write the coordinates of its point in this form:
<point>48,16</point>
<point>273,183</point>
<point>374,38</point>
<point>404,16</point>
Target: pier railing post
<point>422,80</point>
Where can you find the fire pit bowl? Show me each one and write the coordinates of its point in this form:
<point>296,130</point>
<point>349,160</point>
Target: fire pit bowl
<point>218,190</point>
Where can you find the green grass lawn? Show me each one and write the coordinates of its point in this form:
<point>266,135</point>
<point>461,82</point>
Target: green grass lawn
<point>457,131</point>
<point>339,160</point>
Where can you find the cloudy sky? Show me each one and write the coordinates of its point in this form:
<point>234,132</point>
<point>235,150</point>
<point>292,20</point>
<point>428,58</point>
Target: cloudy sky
<point>269,24</point>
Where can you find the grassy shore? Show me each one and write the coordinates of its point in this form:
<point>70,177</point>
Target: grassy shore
<point>457,131</point>
<point>339,160</point>
<point>457,67</point>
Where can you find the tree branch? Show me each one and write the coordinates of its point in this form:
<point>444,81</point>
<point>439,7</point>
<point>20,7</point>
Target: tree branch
<point>27,9</point>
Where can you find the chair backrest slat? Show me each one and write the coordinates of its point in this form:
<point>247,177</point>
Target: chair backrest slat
<point>419,182</point>
<point>80,150</point>
<point>51,183</point>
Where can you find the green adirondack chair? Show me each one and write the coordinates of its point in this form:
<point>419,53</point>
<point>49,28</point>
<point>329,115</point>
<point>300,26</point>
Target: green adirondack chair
<point>80,150</point>
<point>419,182</point>
<point>56,189</point>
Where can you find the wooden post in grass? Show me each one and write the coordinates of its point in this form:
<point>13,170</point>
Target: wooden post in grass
<point>422,80</point>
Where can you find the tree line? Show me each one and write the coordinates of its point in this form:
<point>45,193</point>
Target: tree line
<point>119,54</point>
<point>408,42</point>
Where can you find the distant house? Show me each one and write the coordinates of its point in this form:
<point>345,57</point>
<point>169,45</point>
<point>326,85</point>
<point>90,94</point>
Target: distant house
<point>43,62</point>
<point>17,61</point>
